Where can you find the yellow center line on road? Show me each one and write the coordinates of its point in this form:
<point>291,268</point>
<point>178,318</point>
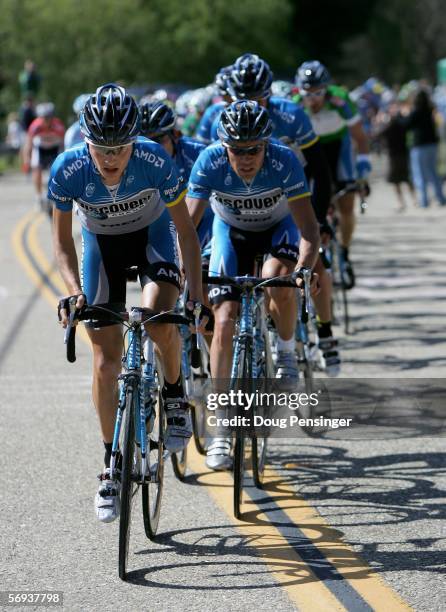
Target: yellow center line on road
<point>303,588</point>
<point>48,271</point>
<point>301,584</point>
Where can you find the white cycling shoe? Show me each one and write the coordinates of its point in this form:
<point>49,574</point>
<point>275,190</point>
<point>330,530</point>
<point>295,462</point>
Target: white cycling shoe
<point>107,502</point>
<point>218,454</point>
<point>329,358</point>
<point>286,365</point>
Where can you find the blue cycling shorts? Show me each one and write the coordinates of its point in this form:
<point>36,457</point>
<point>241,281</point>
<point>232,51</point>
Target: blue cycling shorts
<point>106,259</point>
<point>233,251</point>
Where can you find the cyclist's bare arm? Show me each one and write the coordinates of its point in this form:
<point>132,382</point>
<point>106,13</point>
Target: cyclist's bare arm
<point>360,138</point>
<point>196,209</point>
<point>305,219</point>
<point>190,249</point>
<point>65,254</point>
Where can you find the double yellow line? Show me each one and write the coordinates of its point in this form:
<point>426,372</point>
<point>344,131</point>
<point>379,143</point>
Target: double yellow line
<point>317,569</point>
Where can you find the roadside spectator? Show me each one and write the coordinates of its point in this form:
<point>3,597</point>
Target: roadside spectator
<point>29,79</point>
<point>424,149</point>
<point>27,112</point>
<point>394,134</point>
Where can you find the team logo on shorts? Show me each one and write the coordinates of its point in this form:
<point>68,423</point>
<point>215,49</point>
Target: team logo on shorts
<point>89,190</point>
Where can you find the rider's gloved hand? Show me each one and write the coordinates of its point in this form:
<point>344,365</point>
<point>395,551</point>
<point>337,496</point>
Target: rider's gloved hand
<point>314,279</point>
<point>63,308</point>
<point>363,166</point>
<point>196,312</point>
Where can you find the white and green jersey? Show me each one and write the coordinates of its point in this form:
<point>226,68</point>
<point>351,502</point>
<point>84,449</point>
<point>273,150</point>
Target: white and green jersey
<point>335,117</point>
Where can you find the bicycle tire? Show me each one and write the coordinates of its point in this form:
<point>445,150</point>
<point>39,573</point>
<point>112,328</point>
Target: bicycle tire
<point>199,426</point>
<point>346,317</point>
<point>152,491</point>
<point>128,484</point>
<point>243,373</point>
<point>179,463</point>
<point>259,445</point>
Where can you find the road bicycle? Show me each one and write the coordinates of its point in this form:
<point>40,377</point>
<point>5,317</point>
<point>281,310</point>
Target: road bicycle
<point>138,452</point>
<point>252,367</point>
<point>334,259</point>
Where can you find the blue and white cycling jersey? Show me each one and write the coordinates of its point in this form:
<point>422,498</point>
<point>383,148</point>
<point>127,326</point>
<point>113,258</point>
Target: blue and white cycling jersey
<point>186,152</point>
<point>149,184</point>
<point>204,128</point>
<point>253,206</point>
<point>291,123</point>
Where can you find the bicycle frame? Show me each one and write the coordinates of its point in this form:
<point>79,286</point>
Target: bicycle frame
<point>141,388</point>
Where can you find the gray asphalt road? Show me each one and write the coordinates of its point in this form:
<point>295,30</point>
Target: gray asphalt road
<point>383,498</point>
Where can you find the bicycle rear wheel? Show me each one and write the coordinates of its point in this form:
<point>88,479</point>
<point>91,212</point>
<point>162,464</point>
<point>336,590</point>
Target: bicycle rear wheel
<point>129,486</point>
<point>152,491</point>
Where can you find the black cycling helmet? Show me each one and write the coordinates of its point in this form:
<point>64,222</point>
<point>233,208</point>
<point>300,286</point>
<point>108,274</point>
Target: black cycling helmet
<point>222,80</point>
<point>156,118</point>
<point>110,117</point>
<point>312,74</point>
<point>244,121</point>
<point>251,77</point>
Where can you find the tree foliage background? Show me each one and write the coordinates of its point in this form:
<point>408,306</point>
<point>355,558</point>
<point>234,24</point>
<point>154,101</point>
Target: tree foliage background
<point>78,44</point>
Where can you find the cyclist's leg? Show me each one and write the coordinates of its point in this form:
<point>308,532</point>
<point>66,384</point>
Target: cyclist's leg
<point>104,284</point>
<point>160,278</point>
<point>346,173</point>
<point>225,302</point>
<point>281,301</point>
<point>224,260</point>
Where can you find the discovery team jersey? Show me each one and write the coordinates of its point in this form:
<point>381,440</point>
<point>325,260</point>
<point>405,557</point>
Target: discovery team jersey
<point>253,206</point>
<point>149,184</point>
<point>291,124</point>
<point>186,152</point>
<point>336,116</point>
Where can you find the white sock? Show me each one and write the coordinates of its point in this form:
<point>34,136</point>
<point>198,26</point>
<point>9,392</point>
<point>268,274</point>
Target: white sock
<point>285,346</point>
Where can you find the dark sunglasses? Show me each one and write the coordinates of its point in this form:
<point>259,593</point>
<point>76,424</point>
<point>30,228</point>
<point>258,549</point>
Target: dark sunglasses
<point>254,150</point>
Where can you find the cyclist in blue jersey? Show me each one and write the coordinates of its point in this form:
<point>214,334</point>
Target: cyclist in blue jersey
<point>158,123</point>
<point>251,78</point>
<point>203,132</point>
<point>129,200</point>
<point>260,197</point>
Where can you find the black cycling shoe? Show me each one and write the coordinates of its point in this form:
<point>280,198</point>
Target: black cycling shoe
<point>347,273</point>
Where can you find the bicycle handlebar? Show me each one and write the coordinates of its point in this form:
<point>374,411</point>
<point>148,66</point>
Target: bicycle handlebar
<point>249,282</point>
<point>140,316</point>
<point>360,187</point>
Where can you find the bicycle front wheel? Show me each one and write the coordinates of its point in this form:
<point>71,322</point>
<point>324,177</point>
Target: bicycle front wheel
<point>129,486</point>
<point>244,374</point>
<point>152,491</point>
